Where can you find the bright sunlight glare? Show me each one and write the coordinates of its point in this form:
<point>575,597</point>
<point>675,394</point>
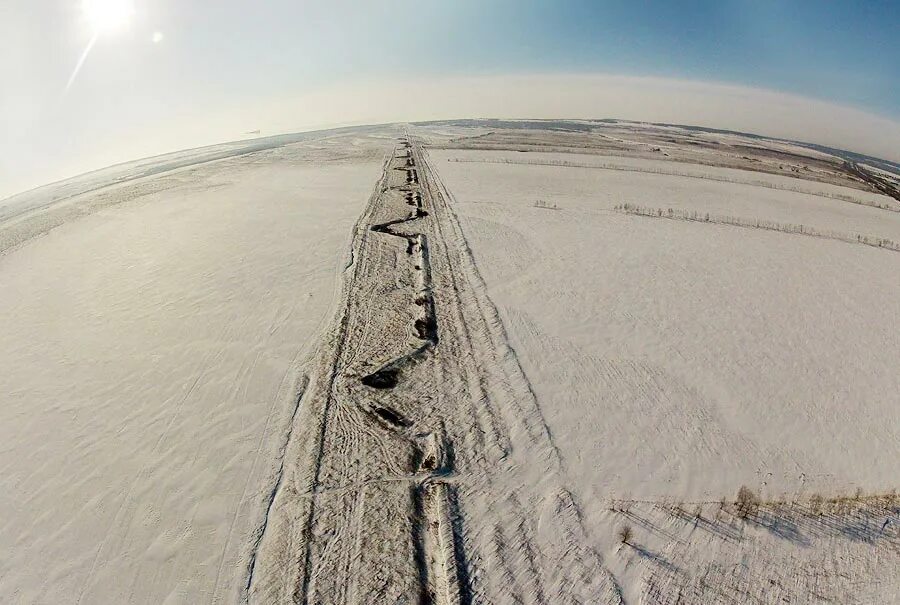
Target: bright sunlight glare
<point>107,15</point>
<point>104,16</point>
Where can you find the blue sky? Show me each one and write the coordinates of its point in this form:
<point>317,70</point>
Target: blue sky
<point>215,61</point>
<point>845,52</point>
<point>829,50</point>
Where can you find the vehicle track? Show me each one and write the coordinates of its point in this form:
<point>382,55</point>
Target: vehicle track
<point>420,469</point>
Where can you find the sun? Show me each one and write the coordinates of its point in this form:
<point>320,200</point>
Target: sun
<point>107,15</point>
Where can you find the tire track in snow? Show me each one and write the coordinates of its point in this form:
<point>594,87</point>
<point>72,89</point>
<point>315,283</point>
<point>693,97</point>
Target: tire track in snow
<point>404,484</point>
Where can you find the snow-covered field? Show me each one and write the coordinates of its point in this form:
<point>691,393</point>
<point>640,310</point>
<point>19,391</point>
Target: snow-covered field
<point>676,361</point>
<point>610,181</point>
<point>415,364</point>
<point>737,349</point>
<point>153,345</point>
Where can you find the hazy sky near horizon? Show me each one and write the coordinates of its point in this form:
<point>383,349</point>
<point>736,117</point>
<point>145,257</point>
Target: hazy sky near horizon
<point>186,73</point>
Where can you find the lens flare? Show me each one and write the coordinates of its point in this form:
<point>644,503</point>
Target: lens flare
<point>104,16</point>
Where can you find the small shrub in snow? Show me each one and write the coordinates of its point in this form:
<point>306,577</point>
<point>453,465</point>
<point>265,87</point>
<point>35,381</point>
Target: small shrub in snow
<point>747,503</point>
<point>815,503</point>
<point>625,534</point>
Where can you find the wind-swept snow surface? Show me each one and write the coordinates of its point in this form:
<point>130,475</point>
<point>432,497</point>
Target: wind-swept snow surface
<point>678,360</point>
<point>152,357</point>
<point>739,348</point>
<point>471,362</point>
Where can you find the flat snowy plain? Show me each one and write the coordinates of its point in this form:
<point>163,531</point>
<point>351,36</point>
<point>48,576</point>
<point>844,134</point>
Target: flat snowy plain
<point>676,361</point>
<point>151,354</point>
<point>730,350</point>
<point>550,367</point>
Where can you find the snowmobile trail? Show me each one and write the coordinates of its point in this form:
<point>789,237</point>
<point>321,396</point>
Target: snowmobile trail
<point>419,468</point>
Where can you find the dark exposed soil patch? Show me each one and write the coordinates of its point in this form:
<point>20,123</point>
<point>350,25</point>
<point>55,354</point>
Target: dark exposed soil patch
<point>392,417</point>
<point>382,379</point>
<point>426,328</point>
<point>429,463</point>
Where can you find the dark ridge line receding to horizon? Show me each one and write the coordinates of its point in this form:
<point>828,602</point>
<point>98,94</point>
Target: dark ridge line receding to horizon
<point>247,146</point>
<point>578,125</point>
